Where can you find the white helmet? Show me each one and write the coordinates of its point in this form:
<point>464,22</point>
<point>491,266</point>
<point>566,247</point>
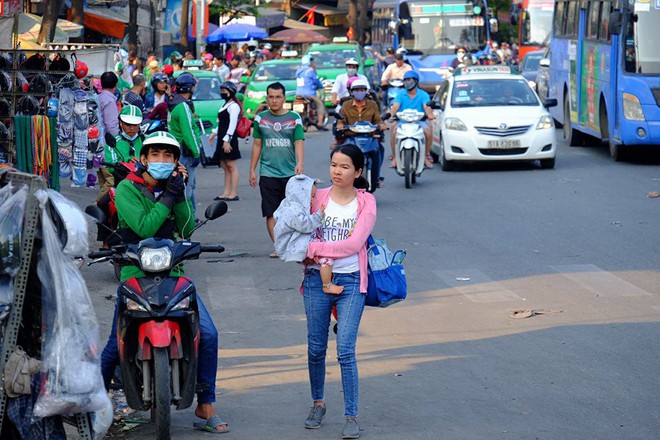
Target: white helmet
<point>352,62</point>
<point>359,84</point>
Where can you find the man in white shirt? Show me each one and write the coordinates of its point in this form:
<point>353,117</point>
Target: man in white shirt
<point>395,70</point>
<point>340,87</point>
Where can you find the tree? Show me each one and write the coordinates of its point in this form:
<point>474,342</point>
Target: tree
<point>78,17</point>
<point>132,24</point>
<point>183,39</point>
<point>49,21</point>
<point>233,8</point>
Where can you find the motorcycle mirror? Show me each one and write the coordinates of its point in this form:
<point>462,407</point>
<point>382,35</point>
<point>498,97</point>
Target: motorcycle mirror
<point>96,213</point>
<point>215,210</point>
<point>110,140</point>
<point>339,116</point>
<point>385,116</point>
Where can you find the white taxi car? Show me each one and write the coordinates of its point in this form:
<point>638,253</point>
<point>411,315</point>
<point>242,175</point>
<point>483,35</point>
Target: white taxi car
<point>489,113</point>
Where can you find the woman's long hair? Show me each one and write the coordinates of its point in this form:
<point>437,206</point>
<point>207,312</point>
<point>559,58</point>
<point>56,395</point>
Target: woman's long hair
<point>357,158</point>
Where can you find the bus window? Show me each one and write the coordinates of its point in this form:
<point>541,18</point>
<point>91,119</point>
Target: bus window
<point>603,32</point>
<point>592,20</point>
<point>559,18</point>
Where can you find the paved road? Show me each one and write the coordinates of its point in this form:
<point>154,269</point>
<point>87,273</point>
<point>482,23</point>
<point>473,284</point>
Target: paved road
<point>578,242</point>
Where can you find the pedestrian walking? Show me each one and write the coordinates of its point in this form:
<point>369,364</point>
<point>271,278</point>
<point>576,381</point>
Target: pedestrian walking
<point>108,103</point>
<point>350,215</point>
<point>226,151</point>
<point>278,150</point>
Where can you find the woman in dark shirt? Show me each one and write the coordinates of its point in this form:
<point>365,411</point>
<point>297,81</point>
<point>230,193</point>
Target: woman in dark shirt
<point>226,151</point>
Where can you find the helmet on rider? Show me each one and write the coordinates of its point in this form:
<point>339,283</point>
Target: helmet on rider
<point>161,140</point>
<point>130,114</point>
<point>229,87</point>
<point>352,66</point>
<point>494,58</point>
<point>358,89</point>
<point>410,80</point>
<point>156,79</point>
<point>185,83</point>
<point>306,60</point>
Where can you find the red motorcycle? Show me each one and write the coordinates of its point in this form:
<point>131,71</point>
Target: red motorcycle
<point>158,327</point>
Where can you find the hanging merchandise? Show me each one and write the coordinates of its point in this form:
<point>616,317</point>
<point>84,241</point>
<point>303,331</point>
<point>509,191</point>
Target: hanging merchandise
<point>27,105</point>
<point>21,83</point>
<point>81,69</point>
<point>40,84</point>
<point>71,373</point>
<point>65,118</point>
<point>6,61</point>
<point>5,108</point>
<point>6,296</point>
<point>12,207</point>
<point>5,82</point>
<point>53,105</point>
<point>42,144</point>
<point>64,159</point>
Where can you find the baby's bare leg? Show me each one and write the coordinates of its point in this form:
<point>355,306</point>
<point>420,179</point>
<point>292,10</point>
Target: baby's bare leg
<point>326,278</point>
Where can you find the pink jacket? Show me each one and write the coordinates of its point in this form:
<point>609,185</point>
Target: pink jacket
<point>355,244</point>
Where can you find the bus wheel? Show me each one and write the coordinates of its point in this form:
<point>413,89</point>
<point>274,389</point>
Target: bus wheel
<point>571,136</point>
<point>617,153</point>
<point>615,150</point>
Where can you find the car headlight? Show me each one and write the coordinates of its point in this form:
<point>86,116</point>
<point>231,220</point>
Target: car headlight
<point>155,260</point>
<point>545,122</point>
<point>455,124</point>
<point>256,95</point>
<point>632,109</point>
<point>183,304</point>
<point>135,306</point>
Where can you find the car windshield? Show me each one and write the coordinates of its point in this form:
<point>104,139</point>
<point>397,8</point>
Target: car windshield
<point>273,72</point>
<point>332,59</point>
<point>531,62</point>
<point>492,92</point>
<point>207,89</point>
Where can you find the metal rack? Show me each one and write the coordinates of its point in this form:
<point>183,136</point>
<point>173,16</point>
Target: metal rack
<point>13,324</point>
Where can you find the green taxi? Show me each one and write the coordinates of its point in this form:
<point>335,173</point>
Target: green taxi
<point>284,71</point>
<point>330,60</point>
<point>206,97</point>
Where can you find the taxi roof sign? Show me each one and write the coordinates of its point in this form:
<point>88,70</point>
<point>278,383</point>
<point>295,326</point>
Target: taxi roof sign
<point>289,53</point>
<point>485,70</point>
<point>188,64</point>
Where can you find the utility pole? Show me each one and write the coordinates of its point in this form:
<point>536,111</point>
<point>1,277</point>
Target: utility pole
<point>49,21</point>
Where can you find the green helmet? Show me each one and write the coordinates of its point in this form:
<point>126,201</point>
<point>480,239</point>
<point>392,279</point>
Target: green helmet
<point>161,140</point>
<point>130,114</point>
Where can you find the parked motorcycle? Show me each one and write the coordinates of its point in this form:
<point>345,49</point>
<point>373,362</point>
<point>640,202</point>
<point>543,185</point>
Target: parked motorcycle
<point>367,137</point>
<point>410,145</point>
<point>158,327</point>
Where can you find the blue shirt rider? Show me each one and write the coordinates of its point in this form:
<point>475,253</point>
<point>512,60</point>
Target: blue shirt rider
<point>307,82</point>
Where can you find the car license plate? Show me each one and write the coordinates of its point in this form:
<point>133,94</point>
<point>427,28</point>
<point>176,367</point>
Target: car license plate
<point>298,108</point>
<point>287,106</point>
<point>504,144</point>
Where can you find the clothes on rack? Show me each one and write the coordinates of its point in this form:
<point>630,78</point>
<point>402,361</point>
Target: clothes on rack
<point>36,147</point>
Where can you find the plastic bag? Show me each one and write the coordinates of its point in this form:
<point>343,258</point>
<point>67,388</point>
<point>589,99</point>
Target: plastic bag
<point>71,366</point>
<point>70,224</point>
<point>12,208</point>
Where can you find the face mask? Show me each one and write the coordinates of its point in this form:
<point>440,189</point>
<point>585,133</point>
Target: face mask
<point>351,71</point>
<point>409,85</point>
<point>160,170</point>
<point>359,95</point>
<point>130,138</point>
<point>460,56</point>
<point>225,96</point>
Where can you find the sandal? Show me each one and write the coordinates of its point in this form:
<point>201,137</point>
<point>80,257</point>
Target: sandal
<point>211,425</point>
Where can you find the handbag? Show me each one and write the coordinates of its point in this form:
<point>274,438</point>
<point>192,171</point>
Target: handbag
<point>244,126</point>
<point>387,277</point>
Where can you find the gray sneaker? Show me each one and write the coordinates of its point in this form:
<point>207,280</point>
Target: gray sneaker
<point>351,428</point>
<point>315,416</point>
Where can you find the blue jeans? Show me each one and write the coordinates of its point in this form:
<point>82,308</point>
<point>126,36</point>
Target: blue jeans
<point>318,308</point>
<point>207,363</point>
<point>192,180</point>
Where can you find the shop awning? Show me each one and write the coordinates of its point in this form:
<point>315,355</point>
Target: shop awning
<point>106,21</point>
<point>30,24</point>
<point>269,18</point>
<point>331,16</point>
<point>293,24</point>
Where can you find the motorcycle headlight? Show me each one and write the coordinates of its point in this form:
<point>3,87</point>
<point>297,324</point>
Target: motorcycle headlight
<point>256,95</point>
<point>545,122</point>
<point>155,259</point>
<point>408,117</point>
<point>455,124</point>
<point>298,108</point>
<point>183,304</point>
<point>135,306</point>
<point>632,109</point>
<point>363,129</point>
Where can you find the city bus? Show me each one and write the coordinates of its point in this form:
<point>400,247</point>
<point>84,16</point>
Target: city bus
<point>605,72</point>
<point>430,31</point>
<point>533,22</point>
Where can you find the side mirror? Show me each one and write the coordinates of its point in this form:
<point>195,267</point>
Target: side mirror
<point>96,213</point>
<point>435,105</point>
<point>369,63</point>
<point>215,210</point>
<point>550,102</point>
<point>493,25</point>
<point>616,23</point>
<point>110,140</point>
<point>545,62</point>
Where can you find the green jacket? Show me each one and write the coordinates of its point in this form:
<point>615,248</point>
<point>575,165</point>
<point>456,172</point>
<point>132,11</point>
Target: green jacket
<point>139,210</point>
<point>183,126</point>
<point>122,152</point>
<point>122,84</point>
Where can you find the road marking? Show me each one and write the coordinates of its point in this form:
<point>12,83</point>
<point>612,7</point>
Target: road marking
<point>598,281</point>
<point>477,286</point>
